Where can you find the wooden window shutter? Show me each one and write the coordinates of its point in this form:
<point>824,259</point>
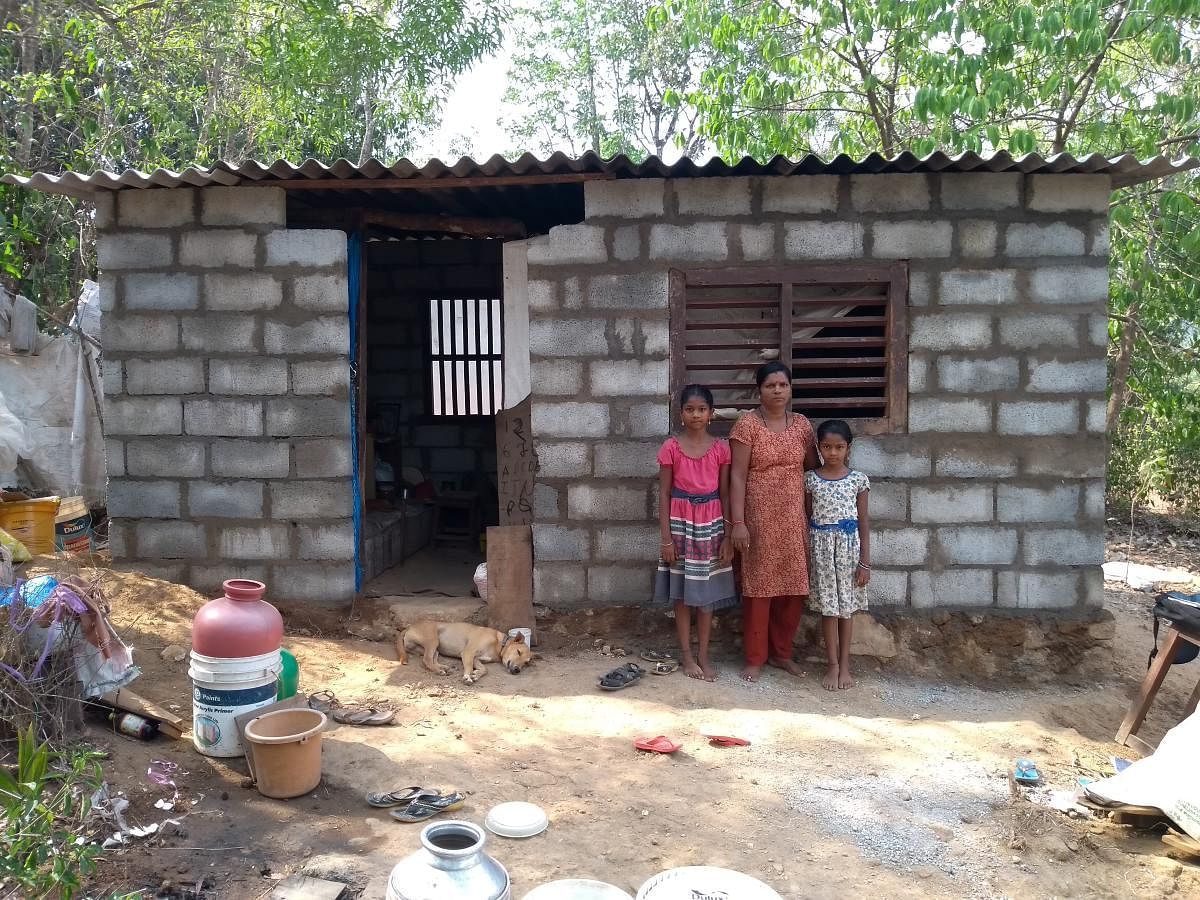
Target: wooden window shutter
<point>841,329</point>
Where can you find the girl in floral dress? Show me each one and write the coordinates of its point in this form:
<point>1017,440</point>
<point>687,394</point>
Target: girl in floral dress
<point>695,570</point>
<point>841,546</point>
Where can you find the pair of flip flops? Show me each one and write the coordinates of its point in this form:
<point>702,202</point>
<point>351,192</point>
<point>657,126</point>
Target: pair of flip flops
<point>349,714</point>
<point>660,744</point>
<point>657,656</point>
<point>415,804</point>
<point>621,677</point>
<point>724,740</point>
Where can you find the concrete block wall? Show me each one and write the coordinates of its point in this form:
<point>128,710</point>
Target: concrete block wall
<point>226,381</point>
<point>993,494</point>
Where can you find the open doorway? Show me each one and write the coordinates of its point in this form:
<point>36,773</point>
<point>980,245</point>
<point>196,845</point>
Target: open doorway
<point>432,383</point>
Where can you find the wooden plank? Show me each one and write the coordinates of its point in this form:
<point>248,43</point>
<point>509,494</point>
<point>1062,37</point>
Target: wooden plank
<point>1151,682</point>
<point>838,321</point>
<point>845,362</point>
<point>838,402</point>
<point>425,184</point>
<point>510,577</point>
<point>724,325</point>
<point>747,276</point>
<point>732,304</point>
<point>734,345</point>
<point>516,464</point>
<point>677,311</point>
<point>897,348</point>
<point>806,383</point>
<point>852,342</point>
<point>785,324</point>
<point>304,887</point>
<point>471,226</point>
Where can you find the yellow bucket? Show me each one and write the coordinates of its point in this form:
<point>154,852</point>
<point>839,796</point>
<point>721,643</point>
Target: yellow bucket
<point>31,522</point>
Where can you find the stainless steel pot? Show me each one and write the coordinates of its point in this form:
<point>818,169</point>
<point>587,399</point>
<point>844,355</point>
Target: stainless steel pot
<point>450,865</point>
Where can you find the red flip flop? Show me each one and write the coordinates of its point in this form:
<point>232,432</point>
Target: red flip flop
<point>721,740</point>
<point>660,744</point>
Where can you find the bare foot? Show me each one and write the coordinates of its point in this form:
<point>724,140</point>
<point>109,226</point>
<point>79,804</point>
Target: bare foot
<point>830,681</point>
<point>692,669</point>
<point>788,665</point>
<point>710,674</point>
<point>844,679</point>
<point>751,673</point>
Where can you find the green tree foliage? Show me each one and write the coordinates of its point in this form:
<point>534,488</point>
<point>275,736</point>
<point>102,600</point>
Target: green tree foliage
<point>1078,76</point>
<point>147,84</point>
<point>592,75</point>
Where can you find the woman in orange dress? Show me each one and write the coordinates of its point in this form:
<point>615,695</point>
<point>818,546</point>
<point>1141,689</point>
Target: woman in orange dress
<point>772,446</point>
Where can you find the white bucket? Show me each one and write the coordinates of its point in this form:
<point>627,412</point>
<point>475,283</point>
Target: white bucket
<point>704,881</point>
<point>223,689</point>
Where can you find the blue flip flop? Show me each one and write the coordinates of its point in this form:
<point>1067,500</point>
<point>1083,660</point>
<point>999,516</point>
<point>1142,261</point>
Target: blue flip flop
<point>1025,771</point>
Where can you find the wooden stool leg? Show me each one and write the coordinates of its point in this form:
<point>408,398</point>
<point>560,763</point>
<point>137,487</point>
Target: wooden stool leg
<point>1193,701</point>
<point>1150,685</point>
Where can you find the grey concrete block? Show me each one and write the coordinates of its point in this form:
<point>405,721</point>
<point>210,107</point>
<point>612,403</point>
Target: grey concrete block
<point>757,242</point>
<point>112,377</point>
<point>1057,239</point>
<point>629,378</point>
<point>142,416</point>
<point>171,458</point>
<point>968,375</point>
<point>324,293</point>
<point>591,501</point>
<point>888,501</point>
<point>921,287</point>
<point>134,250</point>
<point>1093,500</point>
<point>888,588</point>
<point>572,294</point>
<point>114,458</point>
<point>1019,503</point>
<point>977,545</point>
<point>1037,590</point>
<point>1092,584</point>
<point>556,542</point>
<point>223,418</point>
<point>626,459</point>
<point>1028,331</point>
<point>557,377</point>
<point>311,499</point>
<point>559,584</point>
<point>993,287</point>
<point>634,198</point>
<point>1064,546</point>
<point>108,292</point>
<point>950,331</point>
<point>208,579</point>
<point>1069,193</point>
<point>966,415</point>
<point>221,334</point>
<point>1097,416</point>
<point>701,242</point>
<point>1100,243</point>
<point>899,546</point>
<point>546,503</point>
<point>1077,377</point>
<point>244,291</point>
<point>130,499</point>
<point>950,503</point>
<point>334,541</point>
<point>171,540</point>
<point>649,419</point>
<point>321,584</point>
<point>1038,417</point>
<point>567,337</point>
<point>328,458</point>
<point>1069,284</point>
<point>1097,329</point>
<point>889,193</point>
<point>627,242</point>
<point>980,190</point>
<point>619,585</point>
<point>104,203</point>
<point>715,197</point>
<point>1067,456</point>
<point>124,333</point>
<point>570,459</point>
<point>656,337</point>
<point>620,336</point>
<point>916,239</point>
<point>570,420</point>
<point>326,378</point>
<point>822,240</point>
<point>267,541</point>
<point>316,417</point>
<point>218,247</point>
<point>250,459</point>
<point>243,206</point>
<point>977,239</point>
<point>306,247</point>
<point>950,588</point>
<point>327,334</point>
<point>225,499</point>
<point>807,194</point>
<point>568,244</point>
<point>253,377</point>
<point>977,462</point>
<point>160,290</point>
<point>164,376</point>
<point>155,208</point>
<point>626,542</point>
<point>641,290</point>
<point>122,540</point>
<point>880,458</point>
<point>542,295</point>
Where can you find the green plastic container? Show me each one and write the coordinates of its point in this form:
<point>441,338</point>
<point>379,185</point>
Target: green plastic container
<point>289,676</point>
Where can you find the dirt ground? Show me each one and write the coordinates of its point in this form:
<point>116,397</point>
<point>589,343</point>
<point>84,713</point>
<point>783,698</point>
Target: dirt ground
<point>900,784</point>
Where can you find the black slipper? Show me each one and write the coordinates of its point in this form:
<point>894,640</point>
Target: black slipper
<point>621,677</point>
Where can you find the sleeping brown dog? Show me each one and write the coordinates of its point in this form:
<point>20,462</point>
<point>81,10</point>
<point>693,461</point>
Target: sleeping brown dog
<point>473,644</point>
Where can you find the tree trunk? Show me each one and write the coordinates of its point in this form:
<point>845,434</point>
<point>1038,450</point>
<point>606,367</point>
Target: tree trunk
<point>1120,379</point>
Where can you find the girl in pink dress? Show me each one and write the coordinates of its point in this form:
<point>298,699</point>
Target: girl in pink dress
<point>695,570</point>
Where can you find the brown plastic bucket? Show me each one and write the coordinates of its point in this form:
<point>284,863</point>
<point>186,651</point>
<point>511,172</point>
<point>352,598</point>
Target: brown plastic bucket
<point>285,749</point>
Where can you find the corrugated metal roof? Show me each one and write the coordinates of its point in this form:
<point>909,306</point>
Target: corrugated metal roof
<point>1125,169</point>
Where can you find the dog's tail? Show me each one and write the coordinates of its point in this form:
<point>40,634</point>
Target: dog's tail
<point>401,650</point>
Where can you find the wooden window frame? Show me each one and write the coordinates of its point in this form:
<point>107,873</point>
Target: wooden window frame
<point>895,339</point>
<point>447,387</point>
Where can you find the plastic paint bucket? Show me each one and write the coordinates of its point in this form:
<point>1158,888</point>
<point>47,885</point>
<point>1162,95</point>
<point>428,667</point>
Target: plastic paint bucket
<point>690,882</point>
<point>223,689</point>
<point>31,522</point>
<point>73,526</point>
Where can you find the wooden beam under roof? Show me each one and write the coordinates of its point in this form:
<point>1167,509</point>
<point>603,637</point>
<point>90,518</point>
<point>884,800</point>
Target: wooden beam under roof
<point>425,184</point>
<point>357,217</point>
